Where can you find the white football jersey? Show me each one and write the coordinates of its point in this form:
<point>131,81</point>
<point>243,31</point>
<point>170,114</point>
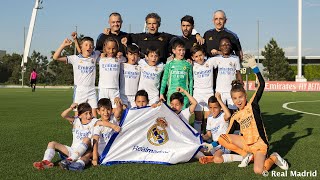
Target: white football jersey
<point>129,79</point>
<point>80,131</point>
<point>84,69</point>
<point>227,68</point>
<point>203,75</point>
<point>104,134</point>
<point>185,115</point>
<point>217,126</point>
<point>109,70</point>
<point>150,79</point>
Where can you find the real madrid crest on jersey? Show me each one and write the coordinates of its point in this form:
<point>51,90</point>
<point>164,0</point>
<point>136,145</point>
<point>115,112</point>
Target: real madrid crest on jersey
<point>231,64</point>
<point>92,60</point>
<point>184,67</point>
<point>207,65</point>
<point>157,134</point>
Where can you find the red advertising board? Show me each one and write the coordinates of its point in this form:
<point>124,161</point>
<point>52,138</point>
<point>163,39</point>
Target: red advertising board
<point>287,86</point>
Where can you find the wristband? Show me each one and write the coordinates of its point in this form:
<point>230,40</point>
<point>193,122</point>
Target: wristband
<point>256,70</point>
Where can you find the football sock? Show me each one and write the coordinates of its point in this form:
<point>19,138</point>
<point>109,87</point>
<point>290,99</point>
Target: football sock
<point>81,162</point>
<point>49,154</point>
<point>269,162</point>
<point>80,150</point>
<point>226,142</point>
<point>231,158</point>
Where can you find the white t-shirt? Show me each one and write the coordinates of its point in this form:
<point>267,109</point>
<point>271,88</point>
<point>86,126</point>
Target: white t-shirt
<point>104,134</point>
<point>80,131</point>
<point>129,79</point>
<point>84,69</point>
<point>185,115</point>
<point>217,126</point>
<point>203,75</point>
<point>227,68</point>
<point>109,70</point>
<point>150,79</point>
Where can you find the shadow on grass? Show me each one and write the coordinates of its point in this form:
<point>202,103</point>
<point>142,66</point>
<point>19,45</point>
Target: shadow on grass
<point>285,144</point>
<point>275,122</point>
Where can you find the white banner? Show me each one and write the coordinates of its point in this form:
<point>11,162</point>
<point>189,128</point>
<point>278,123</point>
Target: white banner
<point>143,140</point>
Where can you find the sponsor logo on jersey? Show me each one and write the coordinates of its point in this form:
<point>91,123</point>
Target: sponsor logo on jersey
<point>157,134</point>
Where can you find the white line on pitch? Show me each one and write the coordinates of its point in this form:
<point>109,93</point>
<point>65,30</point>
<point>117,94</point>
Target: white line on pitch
<point>285,105</point>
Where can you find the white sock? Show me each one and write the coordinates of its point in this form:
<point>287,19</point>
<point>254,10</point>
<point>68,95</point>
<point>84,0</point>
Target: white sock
<point>199,155</point>
<point>197,125</point>
<point>81,162</point>
<point>79,151</point>
<point>231,158</point>
<point>49,154</point>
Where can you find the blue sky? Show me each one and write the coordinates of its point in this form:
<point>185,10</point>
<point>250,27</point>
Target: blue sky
<point>58,18</point>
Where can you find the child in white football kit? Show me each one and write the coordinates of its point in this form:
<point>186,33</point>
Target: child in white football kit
<point>202,85</point>
<point>102,134</point>
<point>109,70</point>
<point>151,72</point>
<point>217,124</point>
<point>129,77</point>
<point>228,70</point>
<point>84,71</point>
<point>79,152</point>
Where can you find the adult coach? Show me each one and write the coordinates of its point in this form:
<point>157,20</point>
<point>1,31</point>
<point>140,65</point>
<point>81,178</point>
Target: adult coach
<point>212,37</point>
<point>190,40</point>
<point>159,40</point>
<point>115,23</point>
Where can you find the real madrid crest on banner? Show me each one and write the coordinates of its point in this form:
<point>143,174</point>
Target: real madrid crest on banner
<point>157,134</point>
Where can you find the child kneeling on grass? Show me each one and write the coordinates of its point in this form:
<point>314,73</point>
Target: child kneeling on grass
<point>217,124</point>
<point>80,151</point>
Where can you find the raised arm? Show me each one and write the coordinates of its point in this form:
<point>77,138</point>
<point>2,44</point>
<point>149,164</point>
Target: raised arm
<point>118,110</point>
<point>65,113</point>
<point>225,109</point>
<point>253,65</point>
<point>57,53</point>
<point>75,40</point>
<point>192,100</point>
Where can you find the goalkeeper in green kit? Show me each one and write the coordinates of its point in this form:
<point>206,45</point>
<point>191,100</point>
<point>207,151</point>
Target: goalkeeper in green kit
<point>177,73</point>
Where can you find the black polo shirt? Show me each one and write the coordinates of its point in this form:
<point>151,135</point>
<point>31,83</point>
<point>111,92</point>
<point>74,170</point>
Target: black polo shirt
<point>189,43</point>
<point>158,40</point>
<point>102,37</point>
<point>212,39</point>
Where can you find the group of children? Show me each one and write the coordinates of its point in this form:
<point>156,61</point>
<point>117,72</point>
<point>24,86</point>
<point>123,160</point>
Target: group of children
<point>134,82</point>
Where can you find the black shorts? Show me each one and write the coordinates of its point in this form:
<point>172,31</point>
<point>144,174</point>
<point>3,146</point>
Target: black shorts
<point>33,81</point>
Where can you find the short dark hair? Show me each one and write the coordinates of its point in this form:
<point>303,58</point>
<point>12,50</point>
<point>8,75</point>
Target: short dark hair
<point>178,96</point>
<point>83,107</point>
<point>177,42</point>
<point>86,38</point>
<point>142,92</point>
<point>213,99</point>
<point>155,16</point>
<point>132,49</point>
<point>104,102</point>
<point>195,49</point>
<point>152,49</point>
<point>188,19</point>
<point>116,14</point>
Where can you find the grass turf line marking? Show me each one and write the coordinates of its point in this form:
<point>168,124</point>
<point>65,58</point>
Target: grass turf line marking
<point>285,106</point>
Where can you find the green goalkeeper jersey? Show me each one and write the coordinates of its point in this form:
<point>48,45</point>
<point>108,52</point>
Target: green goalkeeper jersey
<point>177,73</point>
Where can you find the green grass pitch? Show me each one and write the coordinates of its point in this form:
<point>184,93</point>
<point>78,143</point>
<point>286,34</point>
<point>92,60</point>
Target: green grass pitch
<point>30,120</point>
